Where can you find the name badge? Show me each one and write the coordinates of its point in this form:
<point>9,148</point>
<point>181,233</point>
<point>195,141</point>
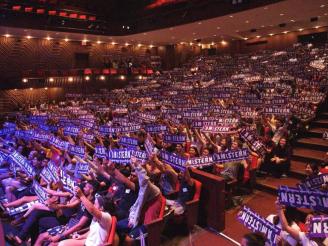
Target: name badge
<point>127,191</point>
<point>185,190</point>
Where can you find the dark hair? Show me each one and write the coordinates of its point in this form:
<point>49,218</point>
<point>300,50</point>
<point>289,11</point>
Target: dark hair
<point>106,203</point>
<point>314,167</point>
<point>255,239</point>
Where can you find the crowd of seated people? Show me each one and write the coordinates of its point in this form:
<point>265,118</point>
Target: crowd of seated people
<point>91,157</point>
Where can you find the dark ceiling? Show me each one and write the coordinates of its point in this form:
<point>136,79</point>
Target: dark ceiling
<point>117,17</point>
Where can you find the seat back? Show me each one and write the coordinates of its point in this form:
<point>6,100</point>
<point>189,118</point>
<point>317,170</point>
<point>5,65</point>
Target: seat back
<point>161,213</point>
<point>111,235</point>
<point>198,188</point>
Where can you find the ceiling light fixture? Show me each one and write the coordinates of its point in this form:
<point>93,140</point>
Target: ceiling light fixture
<point>7,35</point>
<point>271,34</point>
<point>28,37</point>
<point>301,29</point>
<point>258,36</point>
<point>66,39</point>
<point>70,79</point>
<point>48,38</point>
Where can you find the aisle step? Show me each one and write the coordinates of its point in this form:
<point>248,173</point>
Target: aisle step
<point>270,184</point>
<point>323,115</point>
<point>316,132</point>
<point>313,143</point>
<point>320,123</point>
<point>297,169</point>
<point>304,154</point>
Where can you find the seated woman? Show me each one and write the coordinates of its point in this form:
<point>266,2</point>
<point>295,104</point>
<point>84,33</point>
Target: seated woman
<point>100,225</point>
<point>298,235</point>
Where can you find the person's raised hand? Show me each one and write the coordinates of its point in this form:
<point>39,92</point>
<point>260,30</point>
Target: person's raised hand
<point>78,191</point>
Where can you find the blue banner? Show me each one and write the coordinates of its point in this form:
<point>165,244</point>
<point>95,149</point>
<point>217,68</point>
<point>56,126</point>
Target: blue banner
<point>101,152</point>
<point>23,163</point>
<point>40,192</point>
<point>257,223</point>
<point>81,168</point>
<point>76,150</point>
<point>155,128</point>
<point>177,139</point>
<point>314,183</point>
<point>173,160</point>
<point>128,142</point>
<point>231,156</point>
<point>119,155</point>
<point>294,197</point>
<point>318,227</point>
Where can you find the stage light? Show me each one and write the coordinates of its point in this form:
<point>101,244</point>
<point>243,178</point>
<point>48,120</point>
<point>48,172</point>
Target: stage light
<point>70,79</point>
<point>102,77</point>
<point>139,77</point>
<point>25,80</point>
<point>223,42</point>
<point>51,79</point>
<point>87,78</point>
<point>122,77</point>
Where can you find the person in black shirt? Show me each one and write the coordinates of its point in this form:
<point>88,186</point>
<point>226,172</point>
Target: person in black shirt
<point>281,159</point>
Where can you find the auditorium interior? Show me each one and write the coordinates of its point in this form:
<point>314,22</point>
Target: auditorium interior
<point>163,122</point>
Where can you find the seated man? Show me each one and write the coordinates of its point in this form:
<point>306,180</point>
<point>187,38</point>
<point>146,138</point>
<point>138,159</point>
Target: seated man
<point>145,209</point>
<point>100,225</point>
<point>186,193</point>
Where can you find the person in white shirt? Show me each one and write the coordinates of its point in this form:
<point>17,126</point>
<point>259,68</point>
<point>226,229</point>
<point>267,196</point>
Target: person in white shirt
<point>100,225</point>
<point>299,236</point>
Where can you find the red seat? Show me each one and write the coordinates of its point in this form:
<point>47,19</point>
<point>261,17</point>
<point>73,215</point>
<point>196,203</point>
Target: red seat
<point>191,213</point>
<point>87,71</point>
<point>155,227</point>
<point>111,235</point>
